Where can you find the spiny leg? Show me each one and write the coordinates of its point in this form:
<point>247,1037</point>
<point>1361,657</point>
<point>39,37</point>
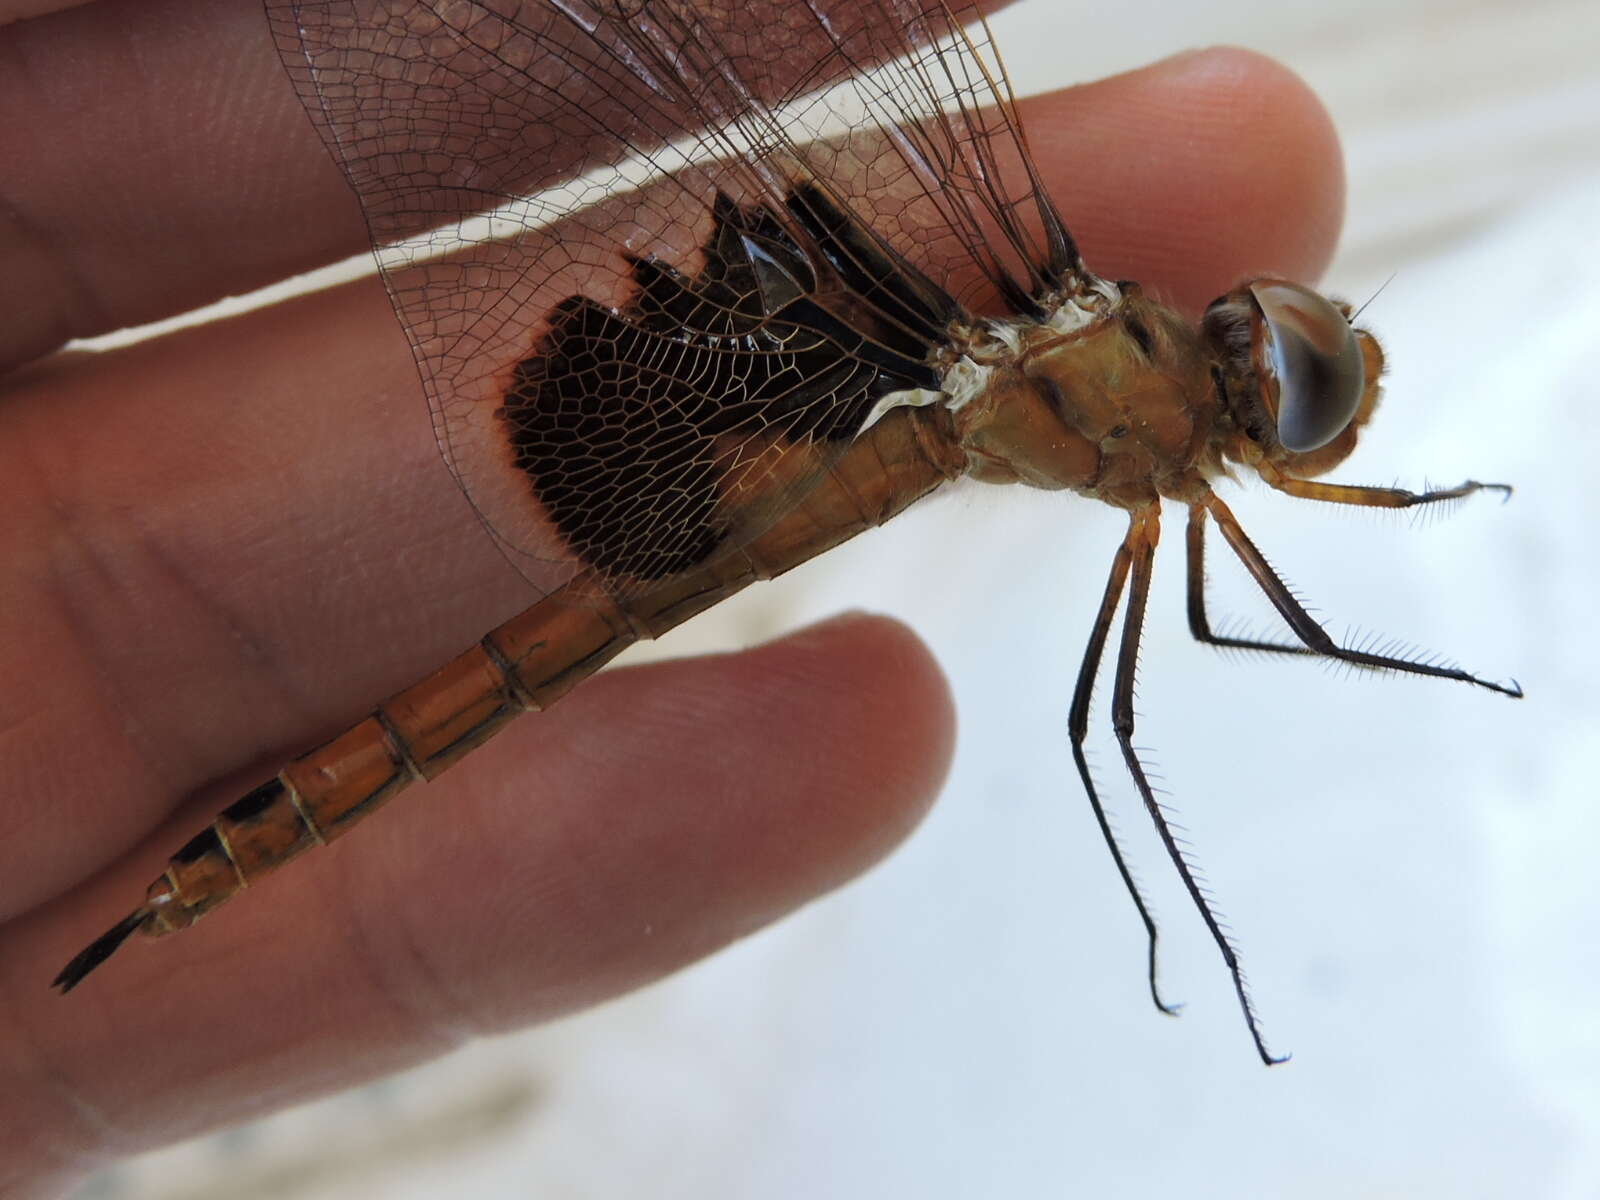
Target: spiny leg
<point>1078,728</point>
<point>1142,539</point>
<point>1371,497</point>
<point>1307,629</point>
<point>1199,624</point>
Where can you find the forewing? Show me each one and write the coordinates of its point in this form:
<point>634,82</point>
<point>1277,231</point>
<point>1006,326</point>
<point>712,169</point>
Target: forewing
<point>658,260</point>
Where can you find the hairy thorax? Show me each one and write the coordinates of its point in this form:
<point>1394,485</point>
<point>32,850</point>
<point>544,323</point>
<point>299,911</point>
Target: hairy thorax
<point>1123,408</point>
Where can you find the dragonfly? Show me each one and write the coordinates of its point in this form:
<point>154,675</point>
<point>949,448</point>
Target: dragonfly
<point>698,290</point>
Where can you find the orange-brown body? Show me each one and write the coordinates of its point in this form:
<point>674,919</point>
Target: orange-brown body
<point>669,426</point>
<point>1116,416</point>
<point>1115,397</point>
<point>526,664</point>
<point>1093,411</point>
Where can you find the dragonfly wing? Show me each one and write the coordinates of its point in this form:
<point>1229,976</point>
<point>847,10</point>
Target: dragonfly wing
<point>660,261</point>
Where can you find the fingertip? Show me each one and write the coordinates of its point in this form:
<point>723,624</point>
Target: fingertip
<point>1284,184</point>
<point>664,811</point>
<point>884,707</point>
<point>653,817</point>
<point>1208,167</point>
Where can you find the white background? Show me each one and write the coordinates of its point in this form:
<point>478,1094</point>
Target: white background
<point>1408,865</point>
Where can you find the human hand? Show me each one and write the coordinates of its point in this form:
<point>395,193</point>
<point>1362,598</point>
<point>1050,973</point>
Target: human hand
<point>223,544</point>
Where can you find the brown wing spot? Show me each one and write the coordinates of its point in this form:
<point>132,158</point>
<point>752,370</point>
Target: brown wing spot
<point>634,423</point>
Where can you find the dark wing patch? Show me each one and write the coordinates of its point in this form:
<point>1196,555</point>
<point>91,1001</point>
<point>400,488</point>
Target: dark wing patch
<point>876,169</point>
<point>633,424</point>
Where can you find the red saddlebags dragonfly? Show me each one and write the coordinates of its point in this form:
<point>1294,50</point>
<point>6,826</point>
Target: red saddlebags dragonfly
<point>699,289</point>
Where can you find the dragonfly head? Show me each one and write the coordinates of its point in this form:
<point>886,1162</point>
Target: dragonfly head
<point>1296,377</point>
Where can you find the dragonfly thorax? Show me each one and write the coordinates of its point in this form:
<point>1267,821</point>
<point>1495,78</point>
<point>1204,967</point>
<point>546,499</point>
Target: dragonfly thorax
<point>1121,409</point>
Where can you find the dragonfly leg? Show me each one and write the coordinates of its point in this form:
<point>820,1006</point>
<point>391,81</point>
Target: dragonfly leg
<point>1199,623</point>
<point>1371,497</point>
<point>1307,629</point>
<point>1141,546</point>
<point>1078,728</point>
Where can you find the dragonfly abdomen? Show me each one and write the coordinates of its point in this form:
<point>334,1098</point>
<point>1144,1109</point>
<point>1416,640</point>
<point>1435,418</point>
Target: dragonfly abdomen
<point>524,665</point>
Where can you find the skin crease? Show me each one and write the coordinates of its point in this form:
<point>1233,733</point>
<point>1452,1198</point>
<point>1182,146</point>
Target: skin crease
<point>222,545</point>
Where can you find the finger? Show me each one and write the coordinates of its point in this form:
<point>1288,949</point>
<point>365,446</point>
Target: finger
<point>20,10</point>
<point>1206,168</point>
<point>228,543</point>
<point>136,211</point>
<point>558,877</point>
<point>170,163</point>
<point>167,163</point>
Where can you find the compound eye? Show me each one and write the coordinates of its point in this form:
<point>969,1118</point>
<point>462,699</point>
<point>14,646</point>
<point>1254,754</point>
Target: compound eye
<point>1310,352</point>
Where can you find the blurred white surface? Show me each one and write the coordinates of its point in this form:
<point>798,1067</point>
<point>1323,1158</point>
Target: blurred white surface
<point>1408,865</point>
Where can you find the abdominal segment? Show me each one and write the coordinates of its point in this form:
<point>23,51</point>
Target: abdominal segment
<point>526,664</point>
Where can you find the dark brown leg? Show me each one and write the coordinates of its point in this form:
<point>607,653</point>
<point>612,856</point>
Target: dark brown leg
<point>1141,545</point>
<point>1312,634</point>
<point>1199,625</point>
<point>1078,728</point>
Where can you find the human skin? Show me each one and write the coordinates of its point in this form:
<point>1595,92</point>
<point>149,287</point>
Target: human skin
<point>219,546</point>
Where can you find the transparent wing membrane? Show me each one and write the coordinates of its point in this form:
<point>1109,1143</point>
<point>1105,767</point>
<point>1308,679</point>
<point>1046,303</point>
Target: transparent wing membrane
<point>527,167</point>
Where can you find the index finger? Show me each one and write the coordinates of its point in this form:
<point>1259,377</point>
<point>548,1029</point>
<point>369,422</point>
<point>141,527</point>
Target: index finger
<point>168,163</point>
